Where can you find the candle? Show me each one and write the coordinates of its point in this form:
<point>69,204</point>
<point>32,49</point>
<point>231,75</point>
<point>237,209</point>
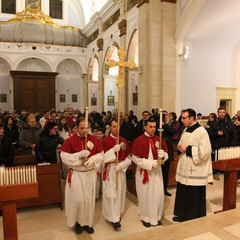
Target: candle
<point>160,119</point>
<point>24,175</point>
<point>12,176</point>
<point>1,175</point>
<point>21,175</point>
<point>35,174</point>
<point>29,175</point>
<point>18,176</point>
<point>7,182</point>
<point>86,118</point>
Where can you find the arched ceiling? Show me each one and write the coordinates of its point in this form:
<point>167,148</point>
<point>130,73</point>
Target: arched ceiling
<point>88,7</point>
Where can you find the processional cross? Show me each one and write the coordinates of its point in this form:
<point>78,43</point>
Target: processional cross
<point>120,84</point>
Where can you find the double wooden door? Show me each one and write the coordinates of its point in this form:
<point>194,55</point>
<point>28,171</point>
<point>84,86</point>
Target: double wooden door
<point>34,91</point>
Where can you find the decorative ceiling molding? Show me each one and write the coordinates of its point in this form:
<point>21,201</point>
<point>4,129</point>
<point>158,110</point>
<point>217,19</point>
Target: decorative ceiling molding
<point>141,2</point>
<point>169,1</point>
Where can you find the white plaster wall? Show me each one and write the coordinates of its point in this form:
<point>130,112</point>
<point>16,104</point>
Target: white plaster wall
<point>5,84</point>
<point>213,40</point>
<point>110,89</point>
<point>18,54</point>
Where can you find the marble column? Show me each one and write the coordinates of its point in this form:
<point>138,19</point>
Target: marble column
<point>100,44</point>
<point>156,61</point>
<point>100,76</point>
<point>84,91</point>
<point>122,26</point>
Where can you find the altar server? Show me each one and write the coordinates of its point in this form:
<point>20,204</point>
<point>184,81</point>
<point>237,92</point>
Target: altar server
<point>194,169</point>
<point>146,152</point>
<point>82,153</point>
<point>114,191</point>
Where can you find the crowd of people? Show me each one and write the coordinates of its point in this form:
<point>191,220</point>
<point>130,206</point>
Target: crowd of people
<point>98,152</point>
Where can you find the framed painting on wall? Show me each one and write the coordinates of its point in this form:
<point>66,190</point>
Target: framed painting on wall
<point>3,97</point>
<point>33,4</point>
<point>110,101</point>
<point>93,101</point>
<point>135,98</point>
<point>74,97</point>
<point>62,98</point>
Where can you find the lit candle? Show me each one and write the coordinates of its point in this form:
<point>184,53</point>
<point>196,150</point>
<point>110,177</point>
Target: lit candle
<point>86,118</point>
<point>160,118</point>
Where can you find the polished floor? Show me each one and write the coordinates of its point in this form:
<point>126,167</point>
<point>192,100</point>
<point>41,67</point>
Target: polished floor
<point>49,222</point>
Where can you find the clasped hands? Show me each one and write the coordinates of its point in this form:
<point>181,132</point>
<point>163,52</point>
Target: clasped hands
<point>117,148</point>
<point>162,157</point>
<point>181,147</point>
<point>83,156</point>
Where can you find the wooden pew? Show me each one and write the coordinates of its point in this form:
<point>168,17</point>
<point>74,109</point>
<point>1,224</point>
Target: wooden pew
<point>24,159</point>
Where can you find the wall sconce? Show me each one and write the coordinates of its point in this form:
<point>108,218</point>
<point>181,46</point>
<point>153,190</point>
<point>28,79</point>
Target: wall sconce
<point>185,54</point>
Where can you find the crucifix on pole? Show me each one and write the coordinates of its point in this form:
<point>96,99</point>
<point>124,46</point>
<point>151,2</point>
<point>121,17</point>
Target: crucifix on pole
<point>120,84</point>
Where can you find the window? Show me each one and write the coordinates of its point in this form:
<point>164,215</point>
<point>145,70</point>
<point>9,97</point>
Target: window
<point>56,9</point>
<point>9,6</point>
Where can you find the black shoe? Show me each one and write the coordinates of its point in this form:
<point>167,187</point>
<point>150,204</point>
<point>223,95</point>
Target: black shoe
<point>159,223</point>
<point>176,219</point>
<point>116,225</point>
<point>88,229</point>
<point>168,194</point>
<point>146,224</point>
<point>78,228</point>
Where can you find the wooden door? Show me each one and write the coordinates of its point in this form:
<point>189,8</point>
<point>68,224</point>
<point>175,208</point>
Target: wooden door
<point>34,91</point>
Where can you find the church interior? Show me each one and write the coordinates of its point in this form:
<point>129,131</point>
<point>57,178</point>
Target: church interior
<point>186,53</point>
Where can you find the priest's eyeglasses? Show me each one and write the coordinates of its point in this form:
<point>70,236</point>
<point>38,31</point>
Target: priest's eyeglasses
<point>185,117</point>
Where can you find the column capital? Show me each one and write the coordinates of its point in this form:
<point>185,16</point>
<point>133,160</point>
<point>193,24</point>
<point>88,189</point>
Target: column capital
<point>122,26</point>
<point>100,44</point>
<point>169,1</point>
<point>141,2</point>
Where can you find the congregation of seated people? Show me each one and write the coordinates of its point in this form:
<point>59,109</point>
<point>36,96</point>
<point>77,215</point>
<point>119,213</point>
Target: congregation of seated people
<point>52,136</point>
<point>25,128</point>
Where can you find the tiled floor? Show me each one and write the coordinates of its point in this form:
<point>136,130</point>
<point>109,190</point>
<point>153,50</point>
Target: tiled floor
<point>49,222</point>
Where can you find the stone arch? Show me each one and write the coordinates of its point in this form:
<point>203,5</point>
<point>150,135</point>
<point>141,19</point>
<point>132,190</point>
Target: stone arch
<point>110,77</point>
<point>132,74</point>
<point>70,83</point>
<point>93,69</point>
<point>5,83</point>
<point>33,64</point>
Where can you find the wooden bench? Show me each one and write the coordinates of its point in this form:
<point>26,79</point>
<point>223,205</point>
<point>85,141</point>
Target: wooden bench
<point>24,159</point>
